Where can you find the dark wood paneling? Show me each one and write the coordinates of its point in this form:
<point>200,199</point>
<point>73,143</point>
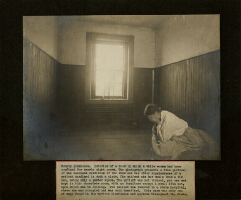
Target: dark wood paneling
<point>142,93</point>
<point>75,112</point>
<point>142,86</point>
<point>191,90</point>
<point>39,76</point>
<point>39,91</point>
<point>71,85</point>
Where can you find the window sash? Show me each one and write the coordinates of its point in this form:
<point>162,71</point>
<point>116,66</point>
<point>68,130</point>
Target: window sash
<point>94,69</point>
<point>128,42</point>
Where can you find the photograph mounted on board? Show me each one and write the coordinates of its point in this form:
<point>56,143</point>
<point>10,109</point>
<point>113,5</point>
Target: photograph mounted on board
<point>121,87</point>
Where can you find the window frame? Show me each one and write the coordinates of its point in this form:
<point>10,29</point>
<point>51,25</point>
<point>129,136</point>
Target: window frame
<point>128,42</point>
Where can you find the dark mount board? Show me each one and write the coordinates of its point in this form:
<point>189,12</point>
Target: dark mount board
<point>36,179</point>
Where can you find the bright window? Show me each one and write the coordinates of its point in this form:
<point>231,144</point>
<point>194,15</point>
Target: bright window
<point>109,70</point>
<point>109,66</point>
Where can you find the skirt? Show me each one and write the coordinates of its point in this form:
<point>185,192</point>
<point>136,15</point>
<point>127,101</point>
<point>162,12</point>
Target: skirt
<point>195,144</point>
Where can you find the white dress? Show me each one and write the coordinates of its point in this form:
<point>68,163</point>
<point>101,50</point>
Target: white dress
<point>170,126</point>
<point>174,139</point>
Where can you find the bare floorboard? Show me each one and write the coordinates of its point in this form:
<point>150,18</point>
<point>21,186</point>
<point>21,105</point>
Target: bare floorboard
<point>92,145</point>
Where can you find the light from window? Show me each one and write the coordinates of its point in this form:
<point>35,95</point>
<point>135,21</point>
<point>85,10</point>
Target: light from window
<point>109,66</point>
<point>109,70</point>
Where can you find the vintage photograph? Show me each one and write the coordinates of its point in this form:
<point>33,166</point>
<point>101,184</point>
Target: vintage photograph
<point>121,87</point>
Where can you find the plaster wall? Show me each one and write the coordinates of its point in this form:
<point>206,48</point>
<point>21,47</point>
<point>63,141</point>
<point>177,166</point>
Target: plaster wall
<point>182,37</point>
<point>42,31</point>
<point>73,42</point>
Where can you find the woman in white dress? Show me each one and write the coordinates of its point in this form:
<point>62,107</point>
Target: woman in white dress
<point>173,139</point>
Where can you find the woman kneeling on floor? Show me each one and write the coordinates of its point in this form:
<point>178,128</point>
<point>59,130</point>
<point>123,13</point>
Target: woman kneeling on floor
<point>173,139</point>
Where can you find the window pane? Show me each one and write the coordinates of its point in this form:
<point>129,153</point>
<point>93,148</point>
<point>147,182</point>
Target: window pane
<point>100,89</point>
<point>118,90</point>
<point>108,83</point>
<point>102,77</point>
<point>111,89</point>
<point>109,57</point>
<point>118,77</point>
<point>107,90</point>
<point>104,90</point>
<point>109,70</point>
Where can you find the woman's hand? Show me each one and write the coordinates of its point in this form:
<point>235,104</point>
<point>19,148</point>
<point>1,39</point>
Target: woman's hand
<point>154,130</point>
<point>159,133</point>
<point>155,135</point>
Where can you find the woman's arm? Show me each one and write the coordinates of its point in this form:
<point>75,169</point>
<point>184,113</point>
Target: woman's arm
<point>154,145</point>
<point>173,126</point>
<point>163,148</point>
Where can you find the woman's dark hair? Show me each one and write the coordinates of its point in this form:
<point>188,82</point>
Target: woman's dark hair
<point>150,109</point>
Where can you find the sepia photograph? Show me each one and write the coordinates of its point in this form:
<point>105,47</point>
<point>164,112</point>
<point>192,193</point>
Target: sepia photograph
<point>121,87</point>
<point>120,99</point>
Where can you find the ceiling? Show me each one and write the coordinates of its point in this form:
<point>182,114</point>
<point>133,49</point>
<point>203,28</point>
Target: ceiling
<point>146,21</point>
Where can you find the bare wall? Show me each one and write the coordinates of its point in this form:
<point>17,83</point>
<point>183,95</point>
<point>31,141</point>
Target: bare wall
<point>40,108</point>
<point>181,37</point>
<point>73,42</point>
<point>42,31</point>
<point>191,90</point>
<point>75,113</point>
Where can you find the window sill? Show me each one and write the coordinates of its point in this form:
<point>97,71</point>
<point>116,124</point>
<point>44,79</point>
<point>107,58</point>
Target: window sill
<point>107,101</point>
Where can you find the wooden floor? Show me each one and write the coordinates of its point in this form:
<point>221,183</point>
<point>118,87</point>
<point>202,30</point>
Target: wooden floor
<point>91,144</point>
